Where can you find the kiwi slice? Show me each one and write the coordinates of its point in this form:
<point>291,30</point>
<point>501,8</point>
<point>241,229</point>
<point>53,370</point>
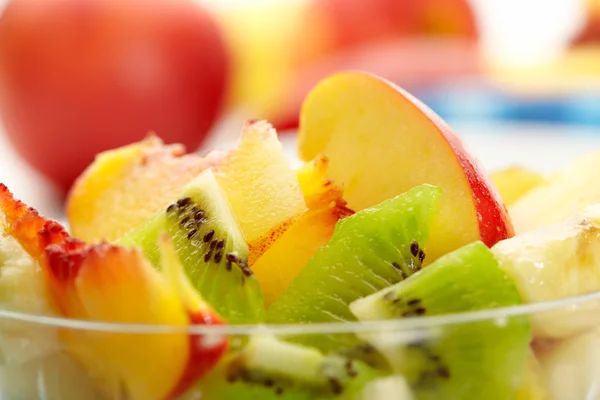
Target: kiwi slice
<point>389,387</point>
<point>211,247</point>
<point>269,368</point>
<point>367,252</point>
<point>470,360</point>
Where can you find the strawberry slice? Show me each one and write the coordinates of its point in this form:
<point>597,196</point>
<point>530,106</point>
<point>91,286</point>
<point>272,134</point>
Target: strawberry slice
<point>108,283</point>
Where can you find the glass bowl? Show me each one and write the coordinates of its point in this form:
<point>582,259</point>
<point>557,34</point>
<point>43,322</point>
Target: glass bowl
<point>476,355</point>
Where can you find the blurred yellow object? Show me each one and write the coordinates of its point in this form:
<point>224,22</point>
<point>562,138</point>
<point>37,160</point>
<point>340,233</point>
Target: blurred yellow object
<point>514,182</point>
<point>534,386</point>
<point>575,70</point>
<point>261,39</point>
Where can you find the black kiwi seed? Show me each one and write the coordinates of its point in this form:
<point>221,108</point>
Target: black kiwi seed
<point>184,221</point>
<point>413,302</point>
<point>336,386</point>
<point>350,368</point>
<point>229,266</point>
<point>269,383</point>
<point>199,215</point>
<point>213,244</point>
<point>192,233</point>
<point>220,244</point>
<point>420,311</point>
<point>421,255</point>
<point>184,202</point>
<point>208,255</point>
<point>171,208</point>
<point>414,248</point>
<point>279,391</point>
<point>218,256</point>
<point>397,266</point>
<point>367,348</point>
<point>244,267</point>
<point>231,257</point>
<point>443,372</point>
<point>208,236</point>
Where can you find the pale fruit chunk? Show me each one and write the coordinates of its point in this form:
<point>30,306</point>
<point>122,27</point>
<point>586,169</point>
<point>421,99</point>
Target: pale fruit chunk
<point>555,262</point>
<point>514,182</point>
<point>260,186</point>
<point>381,142</point>
<point>53,377</point>
<point>33,361</point>
<point>391,387</point>
<point>533,385</point>
<point>284,260</point>
<point>23,289</point>
<point>126,186</point>
<point>572,368</point>
<point>568,193</point>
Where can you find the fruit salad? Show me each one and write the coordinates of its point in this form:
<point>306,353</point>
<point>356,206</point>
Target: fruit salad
<point>387,266</point>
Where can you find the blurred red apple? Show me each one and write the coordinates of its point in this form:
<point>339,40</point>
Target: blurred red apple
<point>342,24</point>
<point>81,76</point>
<point>411,63</point>
<point>589,34</point>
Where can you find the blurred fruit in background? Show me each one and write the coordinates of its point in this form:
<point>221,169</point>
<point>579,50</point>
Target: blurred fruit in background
<point>78,77</point>
<point>282,50</point>
<point>332,25</point>
<point>590,33</point>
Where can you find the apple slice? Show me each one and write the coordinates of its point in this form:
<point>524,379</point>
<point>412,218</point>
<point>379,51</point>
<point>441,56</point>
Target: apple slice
<point>381,141</point>
<point>113,284</point>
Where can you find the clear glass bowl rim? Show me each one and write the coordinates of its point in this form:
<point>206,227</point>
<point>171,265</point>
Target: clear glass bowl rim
<point>401,324</point>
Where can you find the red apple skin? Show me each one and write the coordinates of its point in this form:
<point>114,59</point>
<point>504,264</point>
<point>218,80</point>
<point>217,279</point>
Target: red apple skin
<point>81,76</point>
<point>494,221</point>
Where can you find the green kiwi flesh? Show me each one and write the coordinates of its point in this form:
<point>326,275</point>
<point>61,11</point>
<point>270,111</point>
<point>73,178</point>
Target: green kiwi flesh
<point>470,360</point>
<point>211,247</point>
<point>268,368</point>
<point>368,251</point>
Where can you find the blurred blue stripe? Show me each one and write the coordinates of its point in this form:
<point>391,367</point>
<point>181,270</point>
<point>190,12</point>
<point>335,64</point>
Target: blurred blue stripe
<point>486,103</point>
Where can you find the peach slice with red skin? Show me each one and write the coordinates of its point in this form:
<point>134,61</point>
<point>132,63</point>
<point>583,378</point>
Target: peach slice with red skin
<point>284,260</point>
<point>108,283</point>
<point>124,187</point>
<point>261,187</point>
<point>381,141</point>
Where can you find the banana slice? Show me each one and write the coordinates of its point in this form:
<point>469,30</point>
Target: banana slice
<point>555,262</point>
<point>568,192</point>
<point>534,385</point>
<point>572,368</point>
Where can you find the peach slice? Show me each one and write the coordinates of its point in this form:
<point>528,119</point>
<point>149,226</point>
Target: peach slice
<point>113,284</point>
<point>284,260</point>
<point>381,141</point>
<point>260,186</point>
<point>124,187</point>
